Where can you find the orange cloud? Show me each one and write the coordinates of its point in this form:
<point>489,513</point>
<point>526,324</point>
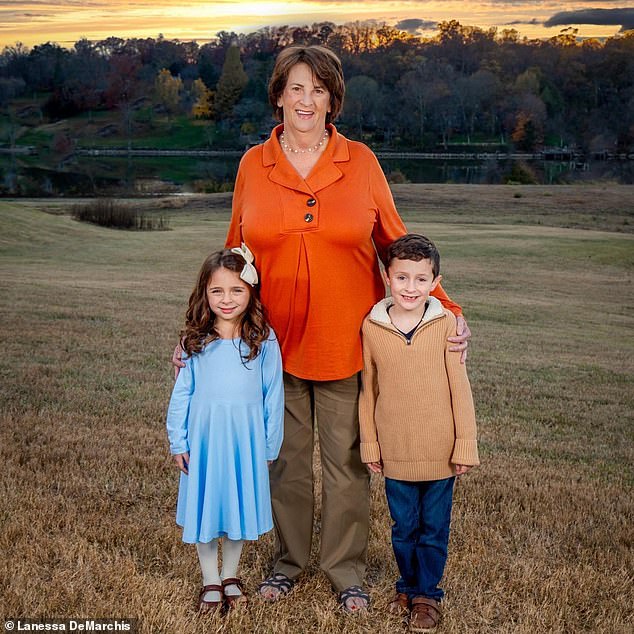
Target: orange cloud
<point>37,21</point>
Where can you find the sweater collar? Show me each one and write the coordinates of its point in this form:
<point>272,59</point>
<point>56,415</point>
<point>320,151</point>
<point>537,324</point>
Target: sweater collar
<point>323,174</point>
<point>379,314</point>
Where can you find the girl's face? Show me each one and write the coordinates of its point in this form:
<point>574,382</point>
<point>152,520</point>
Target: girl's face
<point>228,297</point>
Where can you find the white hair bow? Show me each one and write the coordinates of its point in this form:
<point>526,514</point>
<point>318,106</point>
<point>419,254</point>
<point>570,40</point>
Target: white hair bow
<point>248,274</point>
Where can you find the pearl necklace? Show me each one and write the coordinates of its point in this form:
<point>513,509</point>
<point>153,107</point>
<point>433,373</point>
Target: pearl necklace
<point>314,148</point>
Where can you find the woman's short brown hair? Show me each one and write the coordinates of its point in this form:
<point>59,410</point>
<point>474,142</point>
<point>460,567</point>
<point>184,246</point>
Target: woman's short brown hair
<point>326,67</point>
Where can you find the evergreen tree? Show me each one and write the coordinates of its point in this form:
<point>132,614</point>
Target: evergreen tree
<point>232,82</point>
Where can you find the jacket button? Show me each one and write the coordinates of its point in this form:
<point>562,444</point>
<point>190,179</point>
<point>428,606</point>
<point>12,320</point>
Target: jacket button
<point>311,202</point>
<point>308,217</point>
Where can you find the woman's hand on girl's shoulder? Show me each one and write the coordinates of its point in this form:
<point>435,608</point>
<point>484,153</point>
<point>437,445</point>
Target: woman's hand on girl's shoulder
<point>375,467</point>
<point>182,462</point>
<point>177,360</point>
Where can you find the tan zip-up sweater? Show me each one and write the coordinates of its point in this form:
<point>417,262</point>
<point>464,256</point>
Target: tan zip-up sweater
<point>416,408</point>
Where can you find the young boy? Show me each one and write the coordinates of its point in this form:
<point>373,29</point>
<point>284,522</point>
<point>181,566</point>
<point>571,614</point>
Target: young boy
<point>417,422</point>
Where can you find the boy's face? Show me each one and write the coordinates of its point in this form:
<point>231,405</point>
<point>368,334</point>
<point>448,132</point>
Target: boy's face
<point>410,283</point>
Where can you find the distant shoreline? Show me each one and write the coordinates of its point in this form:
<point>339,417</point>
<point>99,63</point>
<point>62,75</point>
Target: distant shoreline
<point>546,155</point>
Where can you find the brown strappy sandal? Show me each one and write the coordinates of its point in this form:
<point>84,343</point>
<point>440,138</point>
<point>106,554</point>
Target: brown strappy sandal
<point>210,606</point>
<point>233,600</point>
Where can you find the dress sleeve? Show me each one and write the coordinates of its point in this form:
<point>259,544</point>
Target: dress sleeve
<point>178,410</point>
<point>370,449</point>
<point>273,393</point>
<point>389,226</point>
<point>465,450</point>
<point>234,233</point>
<point>446,301</point>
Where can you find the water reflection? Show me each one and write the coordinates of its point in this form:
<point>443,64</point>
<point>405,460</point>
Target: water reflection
<point>90,175</point>
<point>498,171</point>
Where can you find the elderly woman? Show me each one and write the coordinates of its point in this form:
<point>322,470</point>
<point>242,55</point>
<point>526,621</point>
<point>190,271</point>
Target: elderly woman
<point>315,210</point>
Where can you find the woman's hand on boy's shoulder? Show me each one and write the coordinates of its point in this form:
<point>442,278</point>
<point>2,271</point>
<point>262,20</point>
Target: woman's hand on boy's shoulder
<point>375,467</point>
<point>462,336</point>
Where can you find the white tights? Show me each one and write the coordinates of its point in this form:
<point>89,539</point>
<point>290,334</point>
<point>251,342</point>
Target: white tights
<point>208,557</point>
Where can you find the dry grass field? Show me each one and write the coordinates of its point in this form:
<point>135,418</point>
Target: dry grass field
<point>543,531</point>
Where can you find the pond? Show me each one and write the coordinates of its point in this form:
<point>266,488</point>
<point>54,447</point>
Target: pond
<point>502,170</point>
<point>101,175</point>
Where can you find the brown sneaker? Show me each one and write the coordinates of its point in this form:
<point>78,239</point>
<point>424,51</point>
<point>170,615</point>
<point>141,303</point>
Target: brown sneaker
<point>399,605</point>
<point>426,614</point>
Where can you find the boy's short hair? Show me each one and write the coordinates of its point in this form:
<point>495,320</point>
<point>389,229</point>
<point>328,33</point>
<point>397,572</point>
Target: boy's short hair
<point>413,246</point>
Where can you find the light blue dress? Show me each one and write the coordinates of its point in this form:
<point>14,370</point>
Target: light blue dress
<point>228,414</point>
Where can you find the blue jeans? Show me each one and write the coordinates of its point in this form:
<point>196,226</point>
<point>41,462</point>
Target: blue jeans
<point>421,512</point>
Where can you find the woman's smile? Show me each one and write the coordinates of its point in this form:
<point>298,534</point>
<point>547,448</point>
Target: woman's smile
<point>304,101</point>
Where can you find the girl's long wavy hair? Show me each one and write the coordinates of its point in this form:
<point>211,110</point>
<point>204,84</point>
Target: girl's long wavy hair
<point>199,320</point>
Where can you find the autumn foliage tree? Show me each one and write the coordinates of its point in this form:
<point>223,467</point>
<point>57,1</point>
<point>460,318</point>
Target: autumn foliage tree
<point>463,85</point>
<point>202,107</point>
<point>167,89</point>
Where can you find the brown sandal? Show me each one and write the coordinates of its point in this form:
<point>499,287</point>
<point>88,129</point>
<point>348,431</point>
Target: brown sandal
<point>210,606</point>
<point>233,600</point>
<point>399,605</point>
<point>426,614</point>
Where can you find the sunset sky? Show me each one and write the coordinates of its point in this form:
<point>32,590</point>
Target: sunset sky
<point>65,21</point>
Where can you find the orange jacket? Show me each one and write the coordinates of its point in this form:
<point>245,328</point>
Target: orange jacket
<point>314,244</point>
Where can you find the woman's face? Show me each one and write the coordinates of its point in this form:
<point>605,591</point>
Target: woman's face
<point>305,100</point>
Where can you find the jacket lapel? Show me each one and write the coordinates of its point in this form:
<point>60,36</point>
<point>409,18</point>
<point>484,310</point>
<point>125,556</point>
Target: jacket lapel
<point>323,174</point>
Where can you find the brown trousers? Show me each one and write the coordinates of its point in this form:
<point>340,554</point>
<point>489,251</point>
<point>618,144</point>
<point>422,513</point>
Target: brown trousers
<point>345,481</point>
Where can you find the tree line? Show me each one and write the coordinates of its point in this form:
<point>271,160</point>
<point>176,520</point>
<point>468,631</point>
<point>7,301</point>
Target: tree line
<point>466,85</point>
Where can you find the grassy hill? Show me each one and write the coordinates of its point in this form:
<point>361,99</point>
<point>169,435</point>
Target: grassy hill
<point>542,531</point>
<point>142,127</point>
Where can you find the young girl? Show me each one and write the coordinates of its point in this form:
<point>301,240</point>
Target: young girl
<point>225,421</point>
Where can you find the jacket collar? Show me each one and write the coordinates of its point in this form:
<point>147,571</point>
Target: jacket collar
<point>379,314</point>
<point>323,174</point>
